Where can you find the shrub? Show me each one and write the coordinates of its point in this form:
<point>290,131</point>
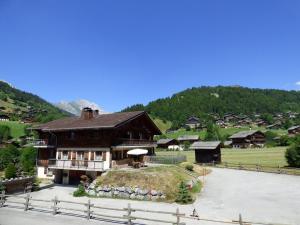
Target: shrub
<point>189,167</point>
<point>183,196</point>
<point>10,171</point>
<point>8,155</point>
<point>292,154</point>
<point>80,191</point>
<point>28,157</point>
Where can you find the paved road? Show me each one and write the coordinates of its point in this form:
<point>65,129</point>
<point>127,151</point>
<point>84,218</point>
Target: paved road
<point>262,197</point>
<point>259,196</point>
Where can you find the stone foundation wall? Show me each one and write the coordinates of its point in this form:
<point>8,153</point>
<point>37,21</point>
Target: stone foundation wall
<point>125,192</point>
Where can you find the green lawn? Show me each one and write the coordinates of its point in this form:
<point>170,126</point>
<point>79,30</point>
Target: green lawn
<point>263,156</point>
<point>17,128</point>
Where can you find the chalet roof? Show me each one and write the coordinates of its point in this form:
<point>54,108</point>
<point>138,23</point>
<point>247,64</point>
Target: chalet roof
<point>193,119</point>
<point>111,120</point>
<point>243,134</point>
<point>205,145</point>
<point>294,127</point>
<point>164,141</point>
<point>188,138</point>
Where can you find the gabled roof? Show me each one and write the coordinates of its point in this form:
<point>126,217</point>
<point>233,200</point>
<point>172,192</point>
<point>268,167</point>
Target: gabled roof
<point>164,141</point>
<point>205,145</point>
<point>294,127</point>
<point>188,138</point>
<point>243,134</point>
<point>112,120</point>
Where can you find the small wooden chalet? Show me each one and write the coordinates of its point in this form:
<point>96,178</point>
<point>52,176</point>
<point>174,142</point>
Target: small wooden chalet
<point>91,144</point>
<point>207,151</point>
<point>165,143</point>
<point>193,122</point>
<point>245,139</point>
<point>294,130</point>
<point>188,138</point>
<point>4,117</point>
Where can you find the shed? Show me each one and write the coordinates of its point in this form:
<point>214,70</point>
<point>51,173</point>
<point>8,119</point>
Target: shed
<point>188,138</point>
<point>164,143</point>
<point>294,130</point>
<point>207,151</point>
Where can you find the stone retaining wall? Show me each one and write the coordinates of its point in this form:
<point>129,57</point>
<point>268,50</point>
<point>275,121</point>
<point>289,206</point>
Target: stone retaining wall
<point>125,192</point>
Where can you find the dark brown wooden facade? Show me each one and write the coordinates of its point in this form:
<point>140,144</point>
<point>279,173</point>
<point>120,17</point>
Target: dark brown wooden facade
<point>245,139</point>
<point>93,143</point>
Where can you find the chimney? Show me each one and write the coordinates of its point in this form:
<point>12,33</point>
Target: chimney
<point>96,112</point>
<point>87,113</point>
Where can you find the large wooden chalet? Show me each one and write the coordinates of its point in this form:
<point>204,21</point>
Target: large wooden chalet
<point>245,139</point>
<point>91,143</point>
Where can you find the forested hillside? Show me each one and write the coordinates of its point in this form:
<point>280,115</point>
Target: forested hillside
<point>20,105</point>
<point>220,100</point>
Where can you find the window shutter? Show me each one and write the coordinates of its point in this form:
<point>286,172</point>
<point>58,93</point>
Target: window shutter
<point>103,156</point>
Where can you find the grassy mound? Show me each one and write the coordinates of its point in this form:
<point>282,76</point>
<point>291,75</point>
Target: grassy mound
<point>162,178</point>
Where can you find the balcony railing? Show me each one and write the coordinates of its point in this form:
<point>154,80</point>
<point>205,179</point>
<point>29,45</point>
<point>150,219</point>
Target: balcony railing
<point>76,164</point>
<point>136,142</point>
<point>42,143</point>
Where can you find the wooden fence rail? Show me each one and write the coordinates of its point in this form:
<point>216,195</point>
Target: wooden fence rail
<point>91,211</point>
<point>256,167</point>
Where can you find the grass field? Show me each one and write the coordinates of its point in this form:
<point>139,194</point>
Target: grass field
<point>263,156</point>
<point>17,129</point>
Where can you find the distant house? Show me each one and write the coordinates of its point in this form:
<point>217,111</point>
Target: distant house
<point>165,143</point>
<point>188,138</point>
<point>207,151</point>
<point>4,118</point>
<point>274,126</point>
<point>294,130</point>
<point>193,122</point>
<point>245,139</point>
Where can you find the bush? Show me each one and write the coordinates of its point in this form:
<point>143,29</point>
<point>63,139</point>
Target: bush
<point>5,133</point>
<point>8,155</point>
<point>80,191</point>
<point>189,167</point>
<point>10,171</point>
<point>183,196</point>
<point>292,154</point>
<point>28,157</point>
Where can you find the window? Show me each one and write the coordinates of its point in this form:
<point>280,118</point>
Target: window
<point>65,155</point>
<point>72,135</point>
<point>98,155</point>
<point>79,156</point>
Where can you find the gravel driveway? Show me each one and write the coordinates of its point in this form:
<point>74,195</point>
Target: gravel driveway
<point>263,197</point>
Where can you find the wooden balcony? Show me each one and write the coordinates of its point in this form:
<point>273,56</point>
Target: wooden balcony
<point>42,143</point>
<point>88,165</point>
<point>135,143</point>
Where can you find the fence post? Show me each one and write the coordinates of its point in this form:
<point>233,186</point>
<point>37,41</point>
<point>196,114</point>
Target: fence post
<point>2,198</point>
<point>26,205</point>
<point>240,166</point>
<point>177,217</point>
<point>88,209</point>
<point>55,201</point>
<point>129,214</point>
<point>279,169</point>
<point>240,219</point>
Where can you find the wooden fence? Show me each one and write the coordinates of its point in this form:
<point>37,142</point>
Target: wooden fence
<point>256,167</point>
<point>89,211</point>
<point>166,159</point>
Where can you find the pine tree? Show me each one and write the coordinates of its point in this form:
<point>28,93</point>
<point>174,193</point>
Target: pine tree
<point>184,195</point>
<point>10,171</point>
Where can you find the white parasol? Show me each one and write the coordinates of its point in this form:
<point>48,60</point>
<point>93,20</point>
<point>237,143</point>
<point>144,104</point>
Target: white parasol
<point>137,151</point>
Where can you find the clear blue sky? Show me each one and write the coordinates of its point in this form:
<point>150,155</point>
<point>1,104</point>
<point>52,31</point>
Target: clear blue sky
<point>118,53</point>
